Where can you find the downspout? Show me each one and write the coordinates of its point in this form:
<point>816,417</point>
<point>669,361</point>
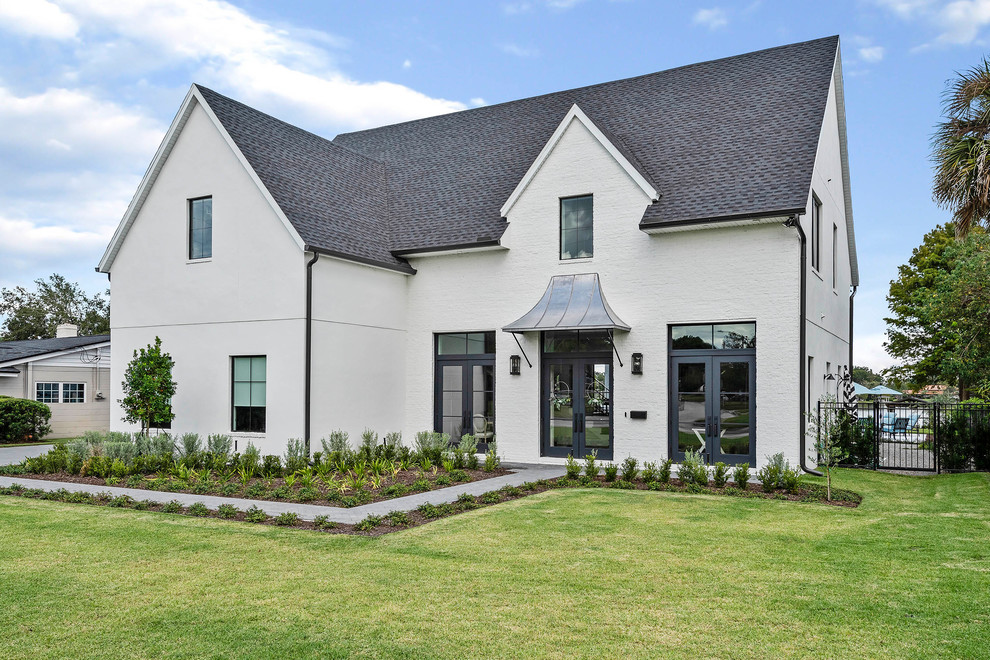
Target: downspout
<point>309,346</point>
<point>795,222</point>
<point>851,297</point>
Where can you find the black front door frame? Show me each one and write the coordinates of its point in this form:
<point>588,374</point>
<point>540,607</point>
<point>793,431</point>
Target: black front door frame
<point>578,362</point>
<point>712,359</point>
<point>467,364</point>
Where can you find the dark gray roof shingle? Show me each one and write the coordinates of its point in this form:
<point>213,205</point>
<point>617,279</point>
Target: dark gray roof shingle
<point>730,137</point>
<point>11,351</point>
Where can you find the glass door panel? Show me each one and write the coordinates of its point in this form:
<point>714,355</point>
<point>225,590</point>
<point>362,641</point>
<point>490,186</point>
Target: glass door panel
<point>735,408</point>
<point>690,412</point>
<point>561,404</point>
<point>452,400</point>
<point>483,404</point>
<point>597,420</point>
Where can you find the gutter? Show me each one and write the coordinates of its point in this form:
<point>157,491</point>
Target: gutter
<point>794,221</point>
<point>309,347</point>
<point>852,296</point>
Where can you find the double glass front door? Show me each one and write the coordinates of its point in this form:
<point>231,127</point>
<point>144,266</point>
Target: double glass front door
<point>713,408</point>
<point>577,407</point>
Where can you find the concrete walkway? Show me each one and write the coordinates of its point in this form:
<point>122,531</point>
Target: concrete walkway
<point>14,455</point>
<point>521,474</point>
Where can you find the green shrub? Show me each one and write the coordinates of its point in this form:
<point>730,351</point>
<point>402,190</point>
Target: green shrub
<point>254,514</point>
<point>118,468</point>
<point>630,468</point>
<point>251,459</point>
<point>770,474</point>
<point>296,457</point>
<point>121,501</point>
<point>324,522</point>
<point>338,444</point>
<point>23,420</point>
<point>256,490</point>
<point>492,497</point>
<point>163,445</point>
<point>229,490</point>
<point>721,475</point>
<point>113,481</point>
<point>624,484</point>
<point>740,475</point>
<point>218,444</point>
<point>459,476</point>
<point>492,461</point>
<point>443,480</point>
<point>611,472</point>
<point>199,510</point>
<point>271,467</point>
<point>173,506</point>
<point>143,505</point>
<point>395,490</point>
<point>650,473</point>
<point>287,519</point>
<point>790,479</point>
<point>663,472</point>
<point>307,494</point>
<point>511,491</point>
<point>120,451</point>
<point>571,467</point>
<point>421,484</point>
<point>227,511</point>
<point>591,468</point>
<point>191,445</point>
<point>432,445</point>
<point>368,524</point>
<point>398,518</point>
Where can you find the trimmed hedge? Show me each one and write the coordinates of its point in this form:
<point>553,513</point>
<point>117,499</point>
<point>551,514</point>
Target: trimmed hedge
<point>23,420</point>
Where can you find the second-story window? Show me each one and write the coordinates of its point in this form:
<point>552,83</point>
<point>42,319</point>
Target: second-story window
<point>201,228</point>
<point>576,227</point>
<point>816,233</point>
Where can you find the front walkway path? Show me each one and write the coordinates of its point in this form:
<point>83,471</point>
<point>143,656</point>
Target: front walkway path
<point>14,455</point>
<point>521,474</point>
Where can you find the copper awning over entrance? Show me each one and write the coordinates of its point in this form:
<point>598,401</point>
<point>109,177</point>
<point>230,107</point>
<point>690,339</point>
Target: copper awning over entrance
<point>571,302</point>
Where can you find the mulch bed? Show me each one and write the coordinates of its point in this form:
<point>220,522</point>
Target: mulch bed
<point>426,513</point>
<point>404,478</point>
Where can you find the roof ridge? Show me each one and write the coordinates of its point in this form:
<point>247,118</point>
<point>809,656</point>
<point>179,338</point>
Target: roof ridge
<point>833,37</point>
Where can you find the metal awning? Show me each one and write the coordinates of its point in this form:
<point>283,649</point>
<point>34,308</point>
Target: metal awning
<point>571,302</point>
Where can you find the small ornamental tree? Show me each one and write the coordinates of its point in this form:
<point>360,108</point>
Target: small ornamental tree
<point>825,432</point>
<point>148,387</point>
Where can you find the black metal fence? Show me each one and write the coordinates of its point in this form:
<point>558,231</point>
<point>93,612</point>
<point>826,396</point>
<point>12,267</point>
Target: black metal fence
<point>916,436</point>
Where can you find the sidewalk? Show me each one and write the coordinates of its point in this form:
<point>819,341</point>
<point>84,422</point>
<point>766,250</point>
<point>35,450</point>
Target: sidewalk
<point>521,474</point>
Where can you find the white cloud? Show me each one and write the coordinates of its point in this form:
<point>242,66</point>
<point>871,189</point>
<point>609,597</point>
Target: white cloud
<point>906,8</point>
<point>478,101</point>
<point>513,8</point>
<point>713,18</point>
<point>871,54</point>
<point>868,351</point>
<point>407,64</point>
<point>956,23</point>
<point>563,4</point>
<point>26,238</point>
<point>37,18</point>
<point>519,51</point>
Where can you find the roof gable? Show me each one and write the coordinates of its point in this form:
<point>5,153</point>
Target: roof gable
<point>621,155</point>
<point>29,350</point>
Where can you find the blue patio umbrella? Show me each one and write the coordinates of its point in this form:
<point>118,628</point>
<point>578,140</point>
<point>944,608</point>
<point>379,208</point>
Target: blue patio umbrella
<point>860,390</point>
<point>885,391</point>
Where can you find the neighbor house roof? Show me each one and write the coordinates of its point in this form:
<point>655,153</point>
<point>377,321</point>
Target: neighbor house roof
<point>14,352</point>
<point>719,140</point>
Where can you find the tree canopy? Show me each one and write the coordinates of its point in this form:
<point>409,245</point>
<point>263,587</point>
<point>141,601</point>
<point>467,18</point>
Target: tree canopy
<point>866,377</point>
<point>35,314</point>
<point>148,387</point>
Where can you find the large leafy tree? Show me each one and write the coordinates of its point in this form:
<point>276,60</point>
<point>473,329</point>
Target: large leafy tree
<point>961,149</point>
<point>148,387</point>
<point>35,314</point>
<point>866,377</point>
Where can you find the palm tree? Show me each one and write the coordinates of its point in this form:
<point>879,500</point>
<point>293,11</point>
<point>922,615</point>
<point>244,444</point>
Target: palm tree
<point>961,149</point>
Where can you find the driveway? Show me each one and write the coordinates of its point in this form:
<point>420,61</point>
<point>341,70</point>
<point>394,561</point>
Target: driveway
<point>11,455</point>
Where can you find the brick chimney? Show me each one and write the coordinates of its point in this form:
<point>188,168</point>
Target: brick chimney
<point>67,330</point>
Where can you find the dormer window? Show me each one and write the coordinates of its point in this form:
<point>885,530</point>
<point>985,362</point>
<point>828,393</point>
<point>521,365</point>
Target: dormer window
<point>576,227</point>
<point>201,228</point>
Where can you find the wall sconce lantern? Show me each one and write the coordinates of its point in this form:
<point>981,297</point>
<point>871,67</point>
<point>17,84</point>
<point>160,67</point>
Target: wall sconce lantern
<point>637,364</point>
<point>515,368</point>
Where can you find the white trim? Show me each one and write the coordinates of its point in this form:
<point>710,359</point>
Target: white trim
<point>45,356</point>
<point>840,105</point>
<point>193,97</point>
<point>575,113</point>
<point>443,253</point>
<point>717,224</point>
<point>60,390</point>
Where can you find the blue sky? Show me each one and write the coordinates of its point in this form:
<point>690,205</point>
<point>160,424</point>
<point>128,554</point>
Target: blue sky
<point>88,88</point>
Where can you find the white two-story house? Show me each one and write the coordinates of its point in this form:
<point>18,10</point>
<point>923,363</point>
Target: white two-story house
<point>641,267</point>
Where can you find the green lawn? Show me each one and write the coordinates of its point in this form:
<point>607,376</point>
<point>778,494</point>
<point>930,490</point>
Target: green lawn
<point>566,573</point>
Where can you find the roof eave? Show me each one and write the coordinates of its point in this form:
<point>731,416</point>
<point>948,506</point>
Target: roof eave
<point>735,220</point>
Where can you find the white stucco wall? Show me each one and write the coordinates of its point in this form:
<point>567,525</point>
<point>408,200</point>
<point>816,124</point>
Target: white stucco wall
<point>248,299</point>
<point>828,306</point>
<point>732,274</point>
<point>359,343</point>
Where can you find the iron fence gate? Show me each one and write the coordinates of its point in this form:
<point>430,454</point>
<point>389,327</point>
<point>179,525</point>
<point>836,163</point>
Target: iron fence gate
<point>915,436</point>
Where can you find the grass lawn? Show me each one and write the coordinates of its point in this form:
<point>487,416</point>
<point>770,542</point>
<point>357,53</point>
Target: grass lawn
<point>592,573</point>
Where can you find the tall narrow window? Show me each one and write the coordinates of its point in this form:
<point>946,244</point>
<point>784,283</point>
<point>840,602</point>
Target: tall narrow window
<point>201,228</point>
<point>835,251</point>
<point>249,393</point>
<point>816,233</point>
<point>576,227</point>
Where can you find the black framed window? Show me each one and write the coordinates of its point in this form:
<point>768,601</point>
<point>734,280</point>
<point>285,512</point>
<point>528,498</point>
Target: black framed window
<point>46,392</point>
<point>201,228</point>
<point>73,392</point>
<point>577,227</point>
<point>466,343</point>
<point>249,376</point>
<point>464,386</point>
<point>816,232</point>
<point>717,336</point>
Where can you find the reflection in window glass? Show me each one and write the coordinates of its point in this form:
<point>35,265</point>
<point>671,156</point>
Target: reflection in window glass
<point>722,336</point>
<point>46,392</point>
<point>250,393</point>
<point>576,341</point>
<point>461,343</point>
<point>201,228</point>
<point>73,392</point>
<point>576,228</point>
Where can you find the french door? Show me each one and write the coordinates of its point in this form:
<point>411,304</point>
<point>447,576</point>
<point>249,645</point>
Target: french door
<point>465,399</point>
<point>713,407</point>
<point>577,406</point>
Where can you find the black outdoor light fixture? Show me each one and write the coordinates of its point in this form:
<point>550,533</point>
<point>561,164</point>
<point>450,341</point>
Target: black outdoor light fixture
<point>637,363</point>
<point>515,368</point>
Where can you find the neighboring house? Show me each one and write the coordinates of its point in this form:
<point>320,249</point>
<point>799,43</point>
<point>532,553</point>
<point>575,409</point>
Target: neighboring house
<point>452,272</point>
<point>71,374</point>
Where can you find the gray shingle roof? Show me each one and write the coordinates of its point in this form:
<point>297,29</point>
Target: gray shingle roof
<point>726,138</point>
<point>11,351</point>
